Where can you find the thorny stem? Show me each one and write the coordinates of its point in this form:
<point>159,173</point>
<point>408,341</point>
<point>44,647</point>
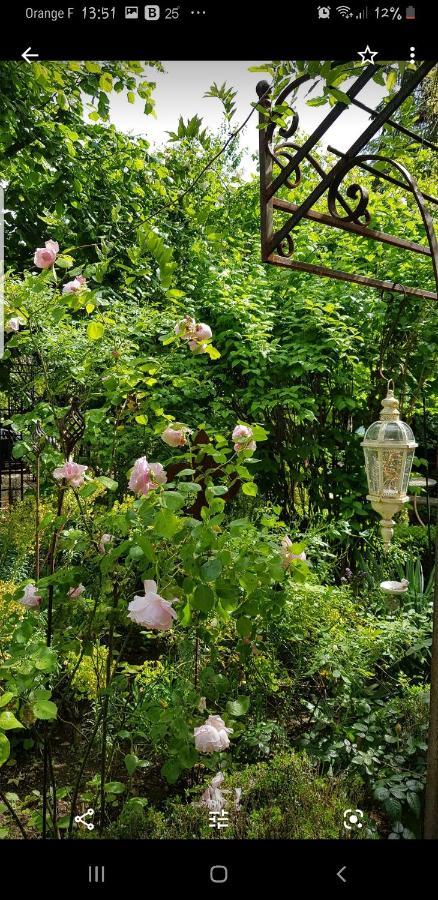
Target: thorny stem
<point>88,749</point>
<point>109,662</point>
<point>11,810</point>
<point>46,749</point>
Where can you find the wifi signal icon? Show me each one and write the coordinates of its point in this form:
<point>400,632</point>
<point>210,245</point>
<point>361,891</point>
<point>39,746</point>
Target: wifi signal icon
<point>344,11</point>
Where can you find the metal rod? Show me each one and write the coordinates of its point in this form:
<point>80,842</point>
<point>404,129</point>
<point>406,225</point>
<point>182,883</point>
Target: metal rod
<point>384,176</point>
<point>415,137</point>
<point>331,117</point>
<point>353,151</point>
<point>429,536</point>
<point>265,168</point>
<point>431,798</point>
<point>362,230</point>
<point>278,260</point>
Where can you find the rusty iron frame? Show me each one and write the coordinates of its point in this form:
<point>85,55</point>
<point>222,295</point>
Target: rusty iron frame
<point>277,245</point>
<point>278,248</point>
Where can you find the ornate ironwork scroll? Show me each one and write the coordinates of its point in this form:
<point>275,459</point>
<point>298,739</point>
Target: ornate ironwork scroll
<point>281,164</point>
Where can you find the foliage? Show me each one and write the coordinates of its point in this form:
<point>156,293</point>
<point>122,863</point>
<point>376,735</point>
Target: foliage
<point>285,799</point>
<point>288,653</point>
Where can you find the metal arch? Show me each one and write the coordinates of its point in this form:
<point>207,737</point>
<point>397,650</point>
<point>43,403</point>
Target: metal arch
<point>278,246</point>
<point>414,189</point>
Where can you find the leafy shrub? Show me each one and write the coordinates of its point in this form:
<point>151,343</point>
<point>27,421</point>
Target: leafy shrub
<point>260,740</point>
<point>284,798</point>
<point>10,612</point>
<point>89,673</point>
<point>17,539</point>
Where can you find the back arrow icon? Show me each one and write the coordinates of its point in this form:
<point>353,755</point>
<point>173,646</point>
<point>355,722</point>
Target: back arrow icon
<point>339,874</point>
<point>27,55</point>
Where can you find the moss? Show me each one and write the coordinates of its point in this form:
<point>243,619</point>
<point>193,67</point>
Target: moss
<point>284,798</point>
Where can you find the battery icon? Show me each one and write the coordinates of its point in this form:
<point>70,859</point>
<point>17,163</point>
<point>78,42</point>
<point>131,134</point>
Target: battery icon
<point>410,12</point>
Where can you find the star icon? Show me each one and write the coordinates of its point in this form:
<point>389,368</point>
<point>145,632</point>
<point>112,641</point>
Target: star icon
<point>368,54</point>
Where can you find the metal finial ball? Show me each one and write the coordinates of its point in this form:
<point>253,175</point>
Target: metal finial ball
<point>263,88</point>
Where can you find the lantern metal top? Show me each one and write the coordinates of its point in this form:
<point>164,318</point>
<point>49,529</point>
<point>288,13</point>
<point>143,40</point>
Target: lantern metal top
<point>388,447</point>
<point>389,430</point>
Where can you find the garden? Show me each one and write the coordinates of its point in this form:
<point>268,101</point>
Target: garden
<point>194,640</point>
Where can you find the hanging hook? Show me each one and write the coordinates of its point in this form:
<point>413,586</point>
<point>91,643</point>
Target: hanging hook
<point>389,381</point>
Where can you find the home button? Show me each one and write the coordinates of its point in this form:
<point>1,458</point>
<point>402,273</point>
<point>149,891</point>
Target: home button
<point>218,874</point>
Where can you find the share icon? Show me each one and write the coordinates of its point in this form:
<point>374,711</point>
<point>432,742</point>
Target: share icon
<point>81,819</point>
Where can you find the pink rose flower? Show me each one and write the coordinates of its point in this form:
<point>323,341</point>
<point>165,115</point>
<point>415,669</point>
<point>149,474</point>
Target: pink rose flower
<point>152,611</point>
<point>185,328</point>
<point>174,437</point>
<point>213,797</point>
<point>242,437</point>
<point>30,598</point>
<point>146,476</point>
<point>203,332</point>
<point>76,592</point>
<point>105,539</point>
<point>45,256</point>
<point>73,287</point>
<point>195,333</point>
<point>212,736</point>
<point>288,557</point>
<point>12,325</point>
<point>158,474</point>
<point>197,347</point>
<point>72,472</point>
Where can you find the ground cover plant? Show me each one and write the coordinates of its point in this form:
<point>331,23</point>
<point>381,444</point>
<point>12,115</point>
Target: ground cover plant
<point>189,588</point>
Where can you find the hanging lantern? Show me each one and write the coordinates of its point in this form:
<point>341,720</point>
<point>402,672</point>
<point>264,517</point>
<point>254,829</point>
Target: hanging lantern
<point>389,446</point>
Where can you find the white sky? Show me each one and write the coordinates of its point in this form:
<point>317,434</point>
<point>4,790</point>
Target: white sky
<point>181,88</point>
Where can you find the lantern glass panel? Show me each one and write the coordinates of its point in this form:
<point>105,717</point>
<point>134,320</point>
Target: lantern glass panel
<point>407,472</point>
<point>372,469</point>
<point>393,467</point>
<point>393,432</point>
<point>373,432</point>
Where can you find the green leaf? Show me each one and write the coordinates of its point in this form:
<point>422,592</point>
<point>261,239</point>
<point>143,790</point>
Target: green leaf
<point>212,352</point>
<point>173,500</point>
<point>211,569</point>
<point>259,433</point>
<point>95,331</point>
<point>393,807</point>
<point>203,598</point>
<point>244,627</point>
<point>141,419</point>
<point>45,709</point>
<point>171,770</point>
<point>391,79</point>
<point>6,698</point>
<point>131,763</point>
<point>146,546</point>
<point>413,801</point>
<point>8,721</point>
<point>20,449</point>
<point>45,659</point>
<point>114,787</point>
<point>238,707</point>
<point>106,82</point>
<point>108,482</point>
<point>381,792</point>
<point>167,524</point>
<point>340,96</point>
<point>88,489</point>
<point>5,749</point>
<point>65,262</point>
<point>249,488</point>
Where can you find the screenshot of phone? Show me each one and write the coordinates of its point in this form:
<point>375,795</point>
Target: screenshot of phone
<point>219,446</point>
